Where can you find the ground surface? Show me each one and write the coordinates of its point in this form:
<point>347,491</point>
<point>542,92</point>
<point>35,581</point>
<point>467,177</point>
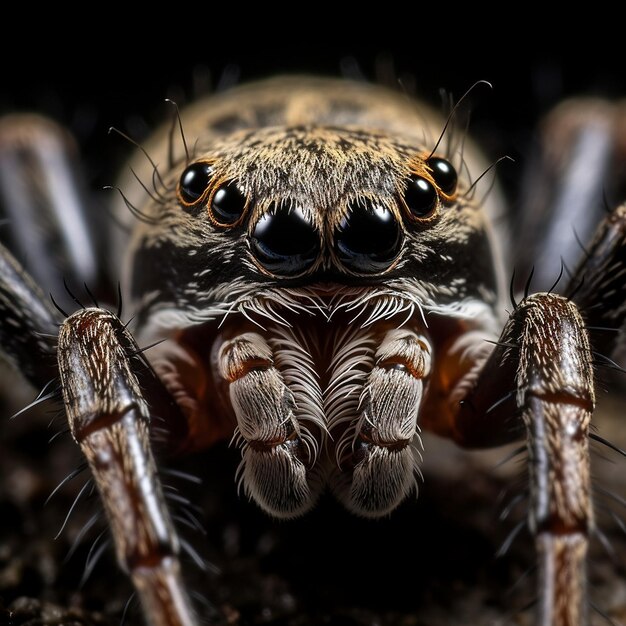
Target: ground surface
<point>431,564</point>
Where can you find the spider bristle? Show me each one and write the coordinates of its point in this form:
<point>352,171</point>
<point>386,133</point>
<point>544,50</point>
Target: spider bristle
<point>611,495</point>
<point>454,111</point>
<point>210,612</point>
<point>604,615</point>
<point>186,476</point>
<point>170,494</point>
<point>608,206</point>
<point>503,344</point>
<point>201,563</point>
<point>608,329</point>
<point>135,212</point>
<point>141,351</point>
<point>618,520</point>
<point>57,307</point>
<point>520,580</point>
<point>75,472</point>
<point>93,298</point>
<point>510,538</point>
<point>500,401</point>
<point>185,504</point>
<point>607,443</point>
<point>471,190</point>
<point>176,118</point>
<point>607,545</point>
<point>71,294</point>
<point>528,282</point>
<point>155,169</point>
<point>511,505</point>
<point>42,397</point>
<point>87,526</point>
<point>153,195</point>
<point>84,488</point>
<point>59,433</point>
<point>558,278</point>
<point>132,599</point>
<point>606,362</point>
<point>94,555</point>
<point>187,523</point>
<point>512,290</point>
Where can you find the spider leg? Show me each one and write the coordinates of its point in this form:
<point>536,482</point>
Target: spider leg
<point>543,362</point>
<point>598,285</point>
<point>28,328</point>
<point>110,420</point>
<point>576,163</point>
<point>43,200</point>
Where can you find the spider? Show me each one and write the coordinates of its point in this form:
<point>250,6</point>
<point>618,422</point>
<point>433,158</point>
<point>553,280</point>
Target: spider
<point>318,281</point>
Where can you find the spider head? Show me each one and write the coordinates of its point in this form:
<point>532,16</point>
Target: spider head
<point>289,207</point>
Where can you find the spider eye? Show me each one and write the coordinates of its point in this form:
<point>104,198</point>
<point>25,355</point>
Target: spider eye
<point>284,242</point>
<point>368,239</point>
<point>228,204</point>
<point>420,197</point>
<point>194,182</point>
<point>444,174</point>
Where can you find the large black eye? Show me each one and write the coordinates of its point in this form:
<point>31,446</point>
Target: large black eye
<point>444,174</point>
<point>420,196</point>
<point>194,182</point>
<point>284,242</point>
<point>368,239</point>
<point>228,204</point>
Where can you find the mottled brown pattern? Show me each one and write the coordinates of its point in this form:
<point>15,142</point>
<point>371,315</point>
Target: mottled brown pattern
<point>352,141</point>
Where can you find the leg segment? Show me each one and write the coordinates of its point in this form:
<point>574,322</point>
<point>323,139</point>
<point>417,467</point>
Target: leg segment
<point>43,197</point>
<point>544,358</point>
<point>577,162</point>
<point>110,421</point>
<point>27,323</point>
<point>599,283</point>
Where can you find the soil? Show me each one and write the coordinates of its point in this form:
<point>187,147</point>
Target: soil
<point>432,563</point>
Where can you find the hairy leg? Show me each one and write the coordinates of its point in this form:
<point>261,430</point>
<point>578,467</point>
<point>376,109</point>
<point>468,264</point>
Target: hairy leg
<point>110,420</point>
<point>43,200</point>
<point>539,380</point>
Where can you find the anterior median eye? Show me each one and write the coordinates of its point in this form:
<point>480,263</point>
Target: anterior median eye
<point>194,182</point>
<point>228,204</point>
<point>420,197</point>
<point>368,239</point>
<point>444,174</point>
<point>284,241</point>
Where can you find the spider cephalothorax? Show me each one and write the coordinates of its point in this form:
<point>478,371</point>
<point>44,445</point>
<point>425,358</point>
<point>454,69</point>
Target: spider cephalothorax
<point>297,264</point>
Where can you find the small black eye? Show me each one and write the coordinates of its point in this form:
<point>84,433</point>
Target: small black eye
<point>228,204</point>
<point>420,196</point>
<point>194,182</point>
<point>444,174</point>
